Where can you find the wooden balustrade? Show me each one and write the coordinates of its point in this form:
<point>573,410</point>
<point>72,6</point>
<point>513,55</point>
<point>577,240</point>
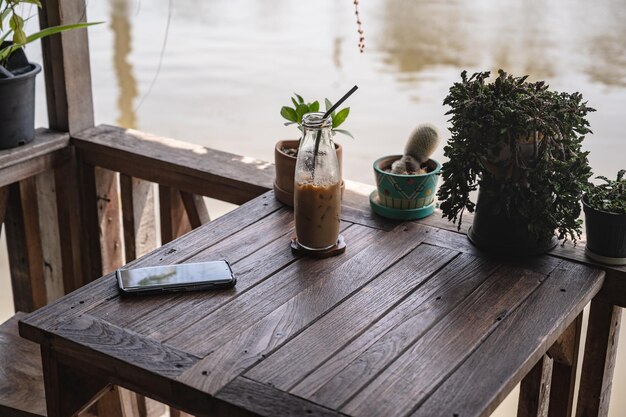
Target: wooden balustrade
<point>76,207</point>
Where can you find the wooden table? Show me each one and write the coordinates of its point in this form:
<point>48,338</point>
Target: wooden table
<point>411,320</point>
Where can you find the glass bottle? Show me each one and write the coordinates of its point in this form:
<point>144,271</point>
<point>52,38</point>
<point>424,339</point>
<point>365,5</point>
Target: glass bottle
<point>317,185</point>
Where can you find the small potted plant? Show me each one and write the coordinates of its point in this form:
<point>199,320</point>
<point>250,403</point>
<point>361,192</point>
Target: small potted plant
<point>605,220</point>
<point>286,151</point>
<point>406,184</point>
<point>519,143</point>
<point>17,74</point>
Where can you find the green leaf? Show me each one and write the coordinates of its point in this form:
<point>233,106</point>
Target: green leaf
<point>3,16</point>
<point>301,110</point>
<point>58,29</point>
<point>295,103</point>
<point>300,99</point>
<point>328,104</point>
<point>340,117</point>
<point>289,114</point>
<point>343,132</point>
<point>314,107</point>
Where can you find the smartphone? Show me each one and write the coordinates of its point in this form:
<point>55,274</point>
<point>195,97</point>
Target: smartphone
<point>175,278</point>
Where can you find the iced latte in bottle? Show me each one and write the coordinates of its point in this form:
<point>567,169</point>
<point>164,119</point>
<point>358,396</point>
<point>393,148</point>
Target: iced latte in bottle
<point>317,188</point>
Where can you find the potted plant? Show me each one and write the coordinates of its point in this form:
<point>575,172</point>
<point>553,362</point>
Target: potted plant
<point>406,184</point>
<point>519,143</point>
<point>286,151</point>
<point>17,74</point>
<point>605,220</point>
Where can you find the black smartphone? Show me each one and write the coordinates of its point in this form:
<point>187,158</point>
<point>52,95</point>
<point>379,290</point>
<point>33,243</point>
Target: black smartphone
<point>175,278</point>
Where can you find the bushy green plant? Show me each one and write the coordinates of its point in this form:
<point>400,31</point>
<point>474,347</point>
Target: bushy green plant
<point>610,196</point>
<point>494,119</point>
<point>12,27</point>
<point>294,114</point>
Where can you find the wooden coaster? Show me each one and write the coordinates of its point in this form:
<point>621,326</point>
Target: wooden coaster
<point>338,249</point>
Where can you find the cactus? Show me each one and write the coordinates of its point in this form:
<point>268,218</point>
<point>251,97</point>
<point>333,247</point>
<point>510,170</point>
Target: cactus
<point>421,144</point>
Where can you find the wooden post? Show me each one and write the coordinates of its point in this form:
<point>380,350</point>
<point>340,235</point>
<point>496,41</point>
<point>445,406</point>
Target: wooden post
<point>197,212</point>
<point>534,395</point>
<point>24,246</point>
<point>564,353</point>
<point>66,67</point>
<point>49,229</point>
<point>599,360</point>
<point>138,216</point>
<point>70,109</point>
<point>174,220</point>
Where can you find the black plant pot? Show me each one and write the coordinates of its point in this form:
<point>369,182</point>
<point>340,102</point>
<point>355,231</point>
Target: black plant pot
<point>494,231</point>
<point>606,235</point>
<point>17,108</point>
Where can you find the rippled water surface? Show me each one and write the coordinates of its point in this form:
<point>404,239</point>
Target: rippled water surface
<point>229,65</point>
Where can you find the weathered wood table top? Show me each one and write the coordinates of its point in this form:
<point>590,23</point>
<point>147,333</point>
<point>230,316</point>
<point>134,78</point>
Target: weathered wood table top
<point>411,320</point>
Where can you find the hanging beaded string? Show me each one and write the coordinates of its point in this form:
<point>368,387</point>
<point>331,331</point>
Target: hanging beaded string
<point>359,26</point>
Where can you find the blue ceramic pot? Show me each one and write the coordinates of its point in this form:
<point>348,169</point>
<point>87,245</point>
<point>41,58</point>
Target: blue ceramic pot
<point>405,191</point>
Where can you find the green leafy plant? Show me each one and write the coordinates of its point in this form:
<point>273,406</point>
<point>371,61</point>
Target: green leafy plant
<point>521,143</point>
<point>294,114</point>
<point>12,27</point>
<point>610,196</point>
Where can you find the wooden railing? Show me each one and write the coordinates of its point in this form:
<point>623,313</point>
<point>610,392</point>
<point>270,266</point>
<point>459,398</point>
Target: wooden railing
<point>75,208</point>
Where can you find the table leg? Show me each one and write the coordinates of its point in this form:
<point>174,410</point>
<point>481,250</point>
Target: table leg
<point>599,360</point>
<point>67,390</point>
<point>534,392</point>
<point>564,353</point>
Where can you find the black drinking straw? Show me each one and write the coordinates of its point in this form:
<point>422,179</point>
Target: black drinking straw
<point>328,113</point>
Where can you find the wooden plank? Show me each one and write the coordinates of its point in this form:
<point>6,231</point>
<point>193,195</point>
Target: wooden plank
<point>110,404</point>
<point>320,341</point>
<point>396,330</point>
<point>21,385</point>
<point>25,252</point>
<point>96,293</point>
<point>176,164</point>
<point>49,235</point>
<point>491,372</point>
<point>243,312</point>
<point>66,67</point>
<point>120,344</point>
<point>599,360</point>
<point>195,208</point>
<point>67,390</point>
<point>144,315</point>
<point>565,355</point>
<point>174,220</point>
<point>90,225</point>
<point>325,288</point>
<point>138,216</point>
<point>399,377</point>
<point>47,150</point>
<point>109,219</point>
<point>264,400</point>
<point>70,225</point>
<point>460,242</point>
<point>534,394</point>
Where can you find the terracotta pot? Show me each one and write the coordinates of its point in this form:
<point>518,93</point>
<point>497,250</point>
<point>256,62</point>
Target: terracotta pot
<point>286,169</point>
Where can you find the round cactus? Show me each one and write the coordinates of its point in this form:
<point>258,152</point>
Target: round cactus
<point>422,142</point>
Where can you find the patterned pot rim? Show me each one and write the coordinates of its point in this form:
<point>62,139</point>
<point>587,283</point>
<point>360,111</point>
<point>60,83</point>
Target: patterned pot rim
<point>377,163</point>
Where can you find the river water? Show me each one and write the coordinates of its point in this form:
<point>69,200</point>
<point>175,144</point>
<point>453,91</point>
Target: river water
<point>229,65</point>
